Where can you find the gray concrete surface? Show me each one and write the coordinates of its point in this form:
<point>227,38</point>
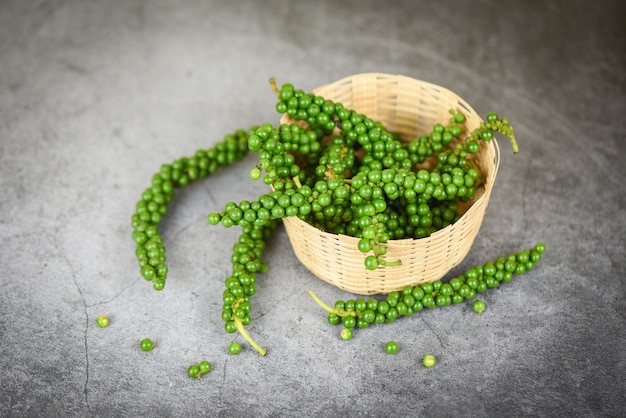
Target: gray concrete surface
<point>96,95</point>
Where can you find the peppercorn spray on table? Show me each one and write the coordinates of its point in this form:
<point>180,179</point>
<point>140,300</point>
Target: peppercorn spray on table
<point>362,313</point>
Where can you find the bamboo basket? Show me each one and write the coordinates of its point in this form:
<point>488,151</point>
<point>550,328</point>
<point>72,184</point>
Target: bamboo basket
<point>411,108</point>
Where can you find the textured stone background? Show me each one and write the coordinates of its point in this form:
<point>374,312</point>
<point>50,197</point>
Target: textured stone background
<point>96,95</point>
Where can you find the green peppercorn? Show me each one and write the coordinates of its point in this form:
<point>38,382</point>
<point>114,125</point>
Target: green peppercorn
<point>102,321</point>
<point>346,334</point>
<point>146,344</point>
<point>478,306</point>
<point>391,347</point>
<point>429,360</point>
<point>193,371</point>
<point>234,348</point>
<point>204,367</point>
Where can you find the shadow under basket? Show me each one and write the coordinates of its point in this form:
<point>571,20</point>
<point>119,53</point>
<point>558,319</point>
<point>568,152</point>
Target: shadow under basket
<point>410,108</point>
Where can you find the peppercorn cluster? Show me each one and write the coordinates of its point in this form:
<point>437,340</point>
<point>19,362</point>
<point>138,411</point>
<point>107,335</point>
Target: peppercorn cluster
<point>361,313</point>
<point>152,206</point>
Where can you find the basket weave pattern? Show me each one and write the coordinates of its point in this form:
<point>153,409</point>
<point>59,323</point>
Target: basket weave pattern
<point>411,108</point>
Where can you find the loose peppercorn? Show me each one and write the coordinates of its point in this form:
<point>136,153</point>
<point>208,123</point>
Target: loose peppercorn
<point>429,360</point>
<point>346,334</point>
<point>193,371</point>
<point>478,306</point>
<point>391,347</point>
<point>102,321</point>
<point>146,344</point>
<point>197,370</point>
<point>234,348</point>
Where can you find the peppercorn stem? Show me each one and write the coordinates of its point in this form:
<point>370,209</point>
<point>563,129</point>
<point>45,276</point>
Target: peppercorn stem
<point>242,330</point>
<point>384,262</point>
<point>514,144</point>
<point>274,86</point>
<point>509,134</point>
<point>323,305</point>
<point>505,129</point>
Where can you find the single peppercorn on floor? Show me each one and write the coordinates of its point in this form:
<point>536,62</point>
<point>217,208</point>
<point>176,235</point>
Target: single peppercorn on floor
<point>95,96</point>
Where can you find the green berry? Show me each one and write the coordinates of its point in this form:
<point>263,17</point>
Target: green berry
<point>346,334</point>
<point>540,247</point>
<point>429,360</point>
<point>478,306</point>
<point>255,173</point>
<point>102,321</point>
<point>148,272</point>
<point>234,348</point>
<point>492,117</point>
<point>371,263</point>
<point>333,319</point>
<point>391,347</point>
<point>204,367</point>
<point>193,371</point>
<point>348,321</point>
<point>213,218</point>
<point>146,344</point>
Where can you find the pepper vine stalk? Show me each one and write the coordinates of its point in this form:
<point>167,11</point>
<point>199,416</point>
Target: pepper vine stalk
<point>339,312</point>
<point>242,330</point>
<point>274,86</point>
